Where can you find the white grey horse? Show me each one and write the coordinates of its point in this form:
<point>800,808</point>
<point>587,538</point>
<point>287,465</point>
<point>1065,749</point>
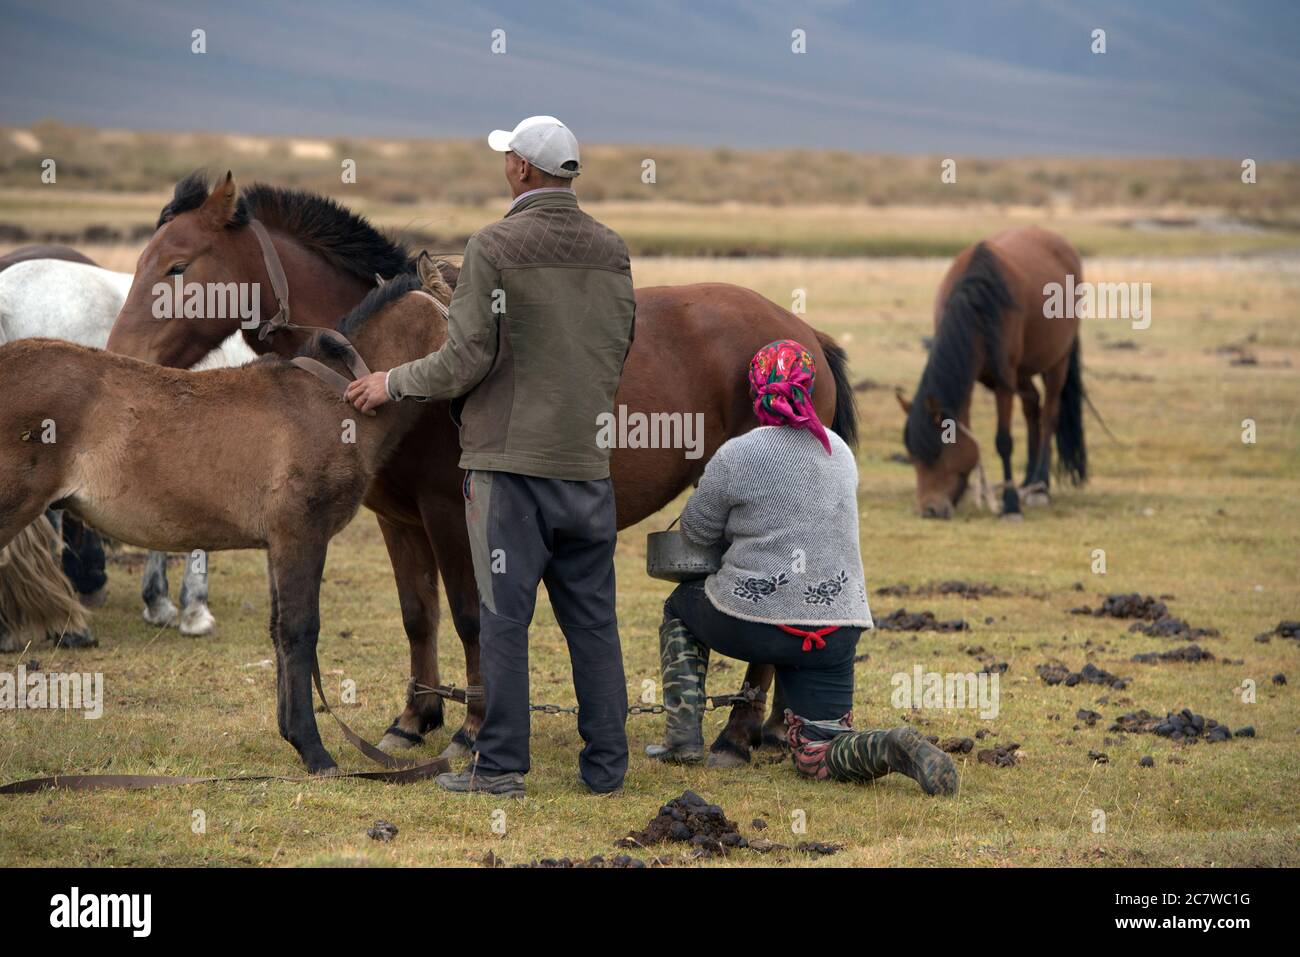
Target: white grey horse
<point>79,302</point>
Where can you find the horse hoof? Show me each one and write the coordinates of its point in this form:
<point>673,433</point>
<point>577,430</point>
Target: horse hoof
<point>455,749</point>
<point>1035,499</point>
<point>1013,516</point>
<point>95,599</point>
<point>323,768</point>
<point>391,743</point>
<point>197,621</point>
<point>163,614</point>
<point>685,754</point>
<point>75,640</point>
<point>726,759</point>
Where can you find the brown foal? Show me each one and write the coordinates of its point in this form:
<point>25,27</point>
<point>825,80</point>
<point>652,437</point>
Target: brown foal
<point>79,430</point>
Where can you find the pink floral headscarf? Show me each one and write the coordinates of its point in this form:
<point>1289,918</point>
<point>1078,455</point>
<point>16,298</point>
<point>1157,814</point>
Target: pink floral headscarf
<point>781,377</point>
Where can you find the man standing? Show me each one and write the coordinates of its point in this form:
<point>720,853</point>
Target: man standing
<point>540,325</point>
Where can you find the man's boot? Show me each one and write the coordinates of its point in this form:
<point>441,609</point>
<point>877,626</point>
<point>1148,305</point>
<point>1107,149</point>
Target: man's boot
<point>470,781</point>
<point>683,663</point>
<point>861,756</point>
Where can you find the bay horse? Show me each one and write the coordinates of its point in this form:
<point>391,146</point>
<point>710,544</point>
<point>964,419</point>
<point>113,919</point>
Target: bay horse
<point>68,296</point>
<point>209,485</point>
<point>991,327</point>
<point>692,349</point>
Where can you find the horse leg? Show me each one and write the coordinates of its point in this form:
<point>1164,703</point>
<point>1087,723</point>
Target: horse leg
<point>83,559</point>
<point>1044,474</point>
<point>774,726</point>
<point>158,608</point>
<point>451,545</point>
<point>1033,428</point>
<point>744,730</point>
<point>1029,405</point>
<point>295,569</point>
<point>1053,382</point>
<point>1010,498</point>
<point>281,715</point>
<point>415,571</point>
<point>196,619</point>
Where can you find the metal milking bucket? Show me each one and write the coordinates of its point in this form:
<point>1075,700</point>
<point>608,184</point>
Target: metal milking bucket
<point>671,556</point>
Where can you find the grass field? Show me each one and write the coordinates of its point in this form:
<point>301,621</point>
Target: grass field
<point>1182,507</point>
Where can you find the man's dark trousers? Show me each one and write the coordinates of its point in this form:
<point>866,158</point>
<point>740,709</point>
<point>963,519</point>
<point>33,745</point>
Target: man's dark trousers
<point>525,530</point>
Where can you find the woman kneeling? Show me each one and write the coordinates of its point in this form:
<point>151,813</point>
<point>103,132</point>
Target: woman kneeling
<point>790,591</point>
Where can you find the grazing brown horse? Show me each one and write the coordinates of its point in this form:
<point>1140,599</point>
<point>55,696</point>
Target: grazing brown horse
<point>991,327</point>
<point>693,345</point>
<point>293,462</point>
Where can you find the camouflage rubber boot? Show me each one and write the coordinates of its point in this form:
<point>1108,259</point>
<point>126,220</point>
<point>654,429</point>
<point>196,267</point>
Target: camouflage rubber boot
<point>861,756</point>
<point>683,663</point>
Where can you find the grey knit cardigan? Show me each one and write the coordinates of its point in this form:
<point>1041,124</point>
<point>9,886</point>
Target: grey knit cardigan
<point>788,515</point>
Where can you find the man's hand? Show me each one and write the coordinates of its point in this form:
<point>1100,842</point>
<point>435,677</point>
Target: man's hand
<point>369,392</point>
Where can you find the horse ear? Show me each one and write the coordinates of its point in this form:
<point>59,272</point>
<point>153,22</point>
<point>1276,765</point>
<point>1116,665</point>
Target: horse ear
<point>431,275</point>
<point>219,208</point>
<point>903,402</point>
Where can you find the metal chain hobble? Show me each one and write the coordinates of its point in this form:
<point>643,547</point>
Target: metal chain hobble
<point>746,695</point>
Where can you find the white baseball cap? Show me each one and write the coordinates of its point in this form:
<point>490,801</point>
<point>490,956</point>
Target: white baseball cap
<point>542,140</point>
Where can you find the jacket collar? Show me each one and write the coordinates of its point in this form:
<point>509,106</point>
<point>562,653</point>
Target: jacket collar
<point>558,197</point>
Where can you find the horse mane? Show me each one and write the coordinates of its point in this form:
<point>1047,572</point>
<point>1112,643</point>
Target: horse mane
<point>374,302</point>
<point>345,239</point>
<point>972,314</point>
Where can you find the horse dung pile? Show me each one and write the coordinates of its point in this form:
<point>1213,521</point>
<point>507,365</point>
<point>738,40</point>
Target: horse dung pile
<point>903,620</point>
<point>1056,673</point>
<point>1152,614</point>
<point>689,819</point>
<point>1185,726</point>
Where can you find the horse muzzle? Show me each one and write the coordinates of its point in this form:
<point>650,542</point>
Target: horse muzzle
<point>936,510</point>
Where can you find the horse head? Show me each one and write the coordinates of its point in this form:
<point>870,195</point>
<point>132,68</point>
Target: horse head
<point>942,453</point>
<point>196,247</point>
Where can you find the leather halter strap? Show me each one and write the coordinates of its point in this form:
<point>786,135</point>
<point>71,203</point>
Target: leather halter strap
<point>282,320</point>
<point>279,283</point>
<point>356,365</point>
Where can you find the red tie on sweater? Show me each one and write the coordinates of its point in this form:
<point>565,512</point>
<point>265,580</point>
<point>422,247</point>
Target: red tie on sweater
<point>810,638</point>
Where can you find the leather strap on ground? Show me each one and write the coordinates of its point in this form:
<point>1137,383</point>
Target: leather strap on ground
<point>396,770</point>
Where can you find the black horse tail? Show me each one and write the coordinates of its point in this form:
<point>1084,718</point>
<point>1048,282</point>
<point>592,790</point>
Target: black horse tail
<point>1071,449</point>
<point>845,421</point>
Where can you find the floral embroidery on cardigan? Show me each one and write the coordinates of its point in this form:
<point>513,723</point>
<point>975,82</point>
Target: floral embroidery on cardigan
<point>756,589</point>
<point>826,590</point>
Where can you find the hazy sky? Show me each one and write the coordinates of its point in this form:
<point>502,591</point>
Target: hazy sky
<point>1192,77</point>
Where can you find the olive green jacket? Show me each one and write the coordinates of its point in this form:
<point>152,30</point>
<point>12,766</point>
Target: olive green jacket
<point>540,325</point>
